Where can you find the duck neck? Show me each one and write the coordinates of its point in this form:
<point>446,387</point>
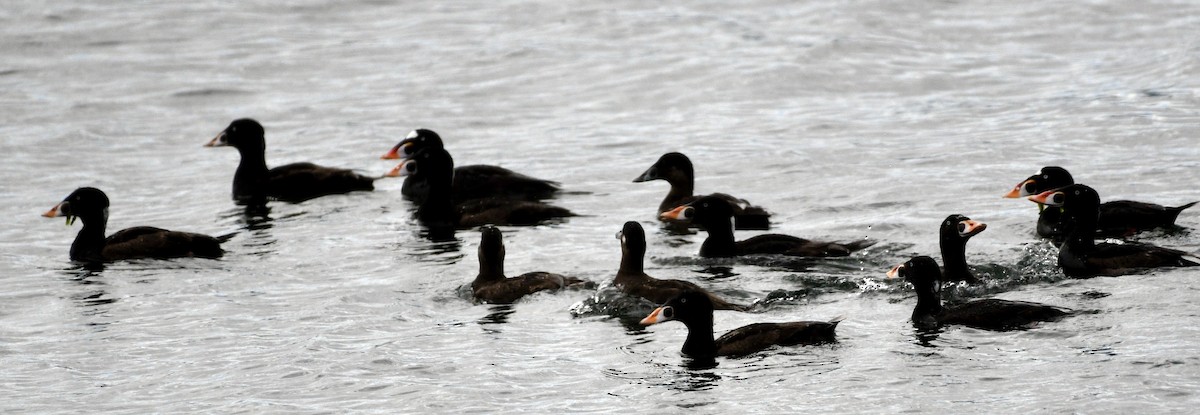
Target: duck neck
<point>490,269</point>
<point>89,243</point>
<point>681,189</point>
<point>438,209</point>
<point>249,181</point>
<point>700,343</point>
<point>720,242</point>
<point>632,260</point>
<point>954,259</point>
<point>929,302</point>
<point>1082,234</point>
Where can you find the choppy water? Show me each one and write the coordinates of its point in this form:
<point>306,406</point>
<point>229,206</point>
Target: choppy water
<point>846,119</point>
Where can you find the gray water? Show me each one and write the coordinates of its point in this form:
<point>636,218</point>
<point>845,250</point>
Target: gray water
<point>871,119</point>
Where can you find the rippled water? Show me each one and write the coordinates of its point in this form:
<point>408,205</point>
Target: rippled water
<point>845,119</point>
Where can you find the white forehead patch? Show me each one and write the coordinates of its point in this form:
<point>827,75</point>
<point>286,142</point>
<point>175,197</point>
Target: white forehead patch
<point>411,134</point>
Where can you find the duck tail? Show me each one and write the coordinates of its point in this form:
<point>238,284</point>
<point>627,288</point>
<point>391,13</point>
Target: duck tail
<point>1175,210</point>
<point>859,244</point>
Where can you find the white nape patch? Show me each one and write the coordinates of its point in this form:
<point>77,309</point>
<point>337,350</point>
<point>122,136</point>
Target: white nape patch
<point>411,134</point>
<point>1191,258</point>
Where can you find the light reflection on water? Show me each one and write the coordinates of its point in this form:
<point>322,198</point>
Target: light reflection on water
<point>845,121</point>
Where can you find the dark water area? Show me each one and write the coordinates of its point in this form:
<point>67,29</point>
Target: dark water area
<point>846,120</point>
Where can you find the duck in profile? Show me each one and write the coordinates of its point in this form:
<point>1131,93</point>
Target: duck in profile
<point>476,181</point>
<point>695,310</point>
<point>491,286</point>
<point>677,170</point>
<point>1080,256</point>
<point>632,278</point>
<point>715,216</point>
<point>255,184</point>
<point>954,233</point>
<point>1118,218</point>
<point>988,314</point>
<point>433,168</point>
<point>90,206</point>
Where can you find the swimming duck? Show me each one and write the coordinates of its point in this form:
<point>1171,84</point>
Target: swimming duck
<point>633,280</point>
<point>695,311</point>
<point>491,286</point>
<point>954,233</point>
<point>477,181</point>
<point>677,170</point>
<point>434,168</point>
<point>715,217</point>
<point>90,206</point>
<point>254,183</point>
<point>987,314</point>
<point>1118,218</point>
<point>1081,256</point>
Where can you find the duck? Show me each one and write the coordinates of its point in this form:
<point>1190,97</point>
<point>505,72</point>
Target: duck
<point>1081,257</point>
<point>476,181</point>
<point>1118,218</point>
<point>695,310</point>
<point>632,279</point>
<point>491,286</point>
<point>714,216</point>
<point>90,206</point>
<point>677,170</point>
<point>987,314</point>
<point>254,183</point>
<point>433,168</point>
<point>953,235</point>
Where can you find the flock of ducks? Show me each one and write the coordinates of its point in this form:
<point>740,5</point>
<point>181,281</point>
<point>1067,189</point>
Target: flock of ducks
<point>450,198</point>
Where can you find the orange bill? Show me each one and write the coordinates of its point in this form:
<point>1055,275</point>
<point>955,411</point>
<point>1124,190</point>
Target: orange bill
<point>1016,191</point>
<point>895,272</point>
<point>653,318</point>
<point>973,227</point>
<point>1044,197</point>
<point>676,214</point>
<point>393,154</point>
<point>53,212</point>
<point>216,141</point>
